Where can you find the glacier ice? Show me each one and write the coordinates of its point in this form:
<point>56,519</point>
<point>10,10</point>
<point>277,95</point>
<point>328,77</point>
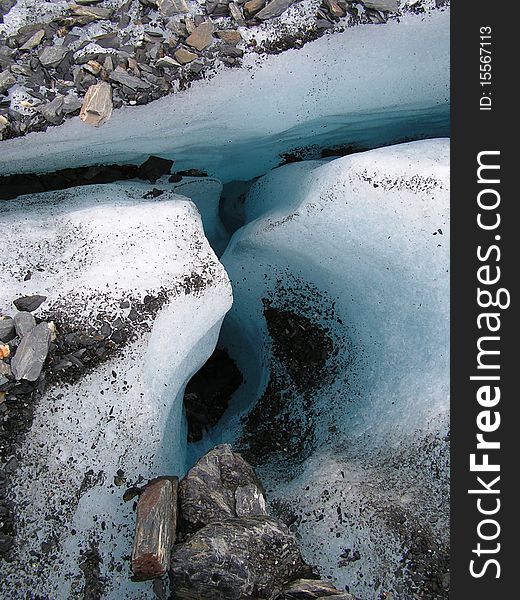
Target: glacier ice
<point>91,249</point>
<point>360,246</point>
<point>355,88</point>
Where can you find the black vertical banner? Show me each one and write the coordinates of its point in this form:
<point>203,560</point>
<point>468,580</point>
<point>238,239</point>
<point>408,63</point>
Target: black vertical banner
<point>485,259</point>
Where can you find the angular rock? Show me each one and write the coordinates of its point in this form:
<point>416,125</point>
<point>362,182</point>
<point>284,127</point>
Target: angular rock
<point>167,62</point>
<point>250,501</point>
<point>154,167</point>
<point>167,8</point>
<point>93,13</point>
<point>24,322</point>
<point>7,80</point>
<point>335,9</point>
<point>156,524</point>
<point>130,81</point>
<point>253,6</point>
<point>230,36</point>
<point>29,303</point>
<point>30,356</point>
<point>383,5</point>
<point>184,56</point>
<point>202,36</point>
<point>312,589</point>
<point>97,104</point>
<point>7,329</point>
<point>34,40</point>
<point>274,9</point>
<point>231,51</point>
<point>207,493</point>
<point>71,103</point>
<point>53,111</point>
<point>235,559</point>
<point>237,14</point>
<point>51,56</point>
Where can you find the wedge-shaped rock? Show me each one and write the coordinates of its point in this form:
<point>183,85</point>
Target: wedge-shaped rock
<point>92,12</point>
<point>97,104</point>
<point>31,353</point>
<point>273,9</point>
<point>235,559</point>
<point>202,36</point>
<point>208,492</point>
<point>156,525</point>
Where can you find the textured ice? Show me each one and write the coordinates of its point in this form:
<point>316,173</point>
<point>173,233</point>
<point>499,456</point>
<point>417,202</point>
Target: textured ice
<point>90,249</point>
<point>363,239</point>
<point>368,86</point>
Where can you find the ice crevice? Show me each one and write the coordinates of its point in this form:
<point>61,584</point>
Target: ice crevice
<point>332,300</point>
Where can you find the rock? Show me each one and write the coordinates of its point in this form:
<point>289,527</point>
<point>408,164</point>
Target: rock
<point>230,36</point>
<point>184,56</point>
<point>97,104</point>
<point>167,8</point>
<point>130,81</point>
<point>7,80</point>
<point>252,7</point>
<point>4,124</point>
<point>156,524</point>
<point>29,303</point>
<point>31,353</point>
<point>71,103</point>
<point>312,589</point>
<point>24,322</point>
<point>237,14</point>
<point>7,329</point>
<point>53,111</point>
<point>207,493</point>
<point>153,168</point>
<point>167,62</point>
<point>250,501</point>
<point>34,40</point>
<point>274,9</point>
<point>51,56</point>
<point>335,9</point>
<point>5,351</point>
<point>93,13</point>
<point>5,369</point>
<point>6,541</point>
<point>383,5</point>
<point>231,51</point>
<point>202,36</point>
<point>235,559</point>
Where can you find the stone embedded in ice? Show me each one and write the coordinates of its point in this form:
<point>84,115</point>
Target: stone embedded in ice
<point>106,255</point>
<point>31,353</point>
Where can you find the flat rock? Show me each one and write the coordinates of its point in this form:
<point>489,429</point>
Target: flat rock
<point>93,13</point>
<point>230,36</point>
<point>24,322</point>
<point>51,56</point>
<point>7,329</point>
<point>253,6</point>
<point>29,303</point>
<point>207,493</point>
<point>7,80</point>
<point>167,8</point>
<point>167,62</point>
<point>235,559</point>
<point>130,81</point>
<point>202,36</point>
<point>237,14</point>
<point>97,104</point>
<point>34,40</point>
<point>274,9</point>
<point>311,589</point>
<point>28,361</point>
<point>184,56</point>
<point>383,5</point>
<point>53,111</point>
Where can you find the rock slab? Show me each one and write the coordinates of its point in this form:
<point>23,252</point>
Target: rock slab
<point>97,104</point>
<point>31,353</point>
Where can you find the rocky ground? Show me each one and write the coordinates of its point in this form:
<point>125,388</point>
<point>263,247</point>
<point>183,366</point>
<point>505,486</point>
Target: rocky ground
<point>59,59</point>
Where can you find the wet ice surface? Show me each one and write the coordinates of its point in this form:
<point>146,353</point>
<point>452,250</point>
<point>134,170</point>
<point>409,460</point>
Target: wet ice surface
<point>92,249</point>
<point>360,247</point>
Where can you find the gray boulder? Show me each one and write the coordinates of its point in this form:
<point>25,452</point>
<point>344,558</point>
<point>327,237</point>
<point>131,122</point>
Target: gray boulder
<point>211,489</point>
<point>28,361</point>
<point>24,322</point>
<point>7,329</point>
<point>235,559</point>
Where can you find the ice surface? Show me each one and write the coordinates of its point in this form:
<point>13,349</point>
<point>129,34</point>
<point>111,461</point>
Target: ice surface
<point>363,239</point>
<point>368,86</point>
<point>90,249</point>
